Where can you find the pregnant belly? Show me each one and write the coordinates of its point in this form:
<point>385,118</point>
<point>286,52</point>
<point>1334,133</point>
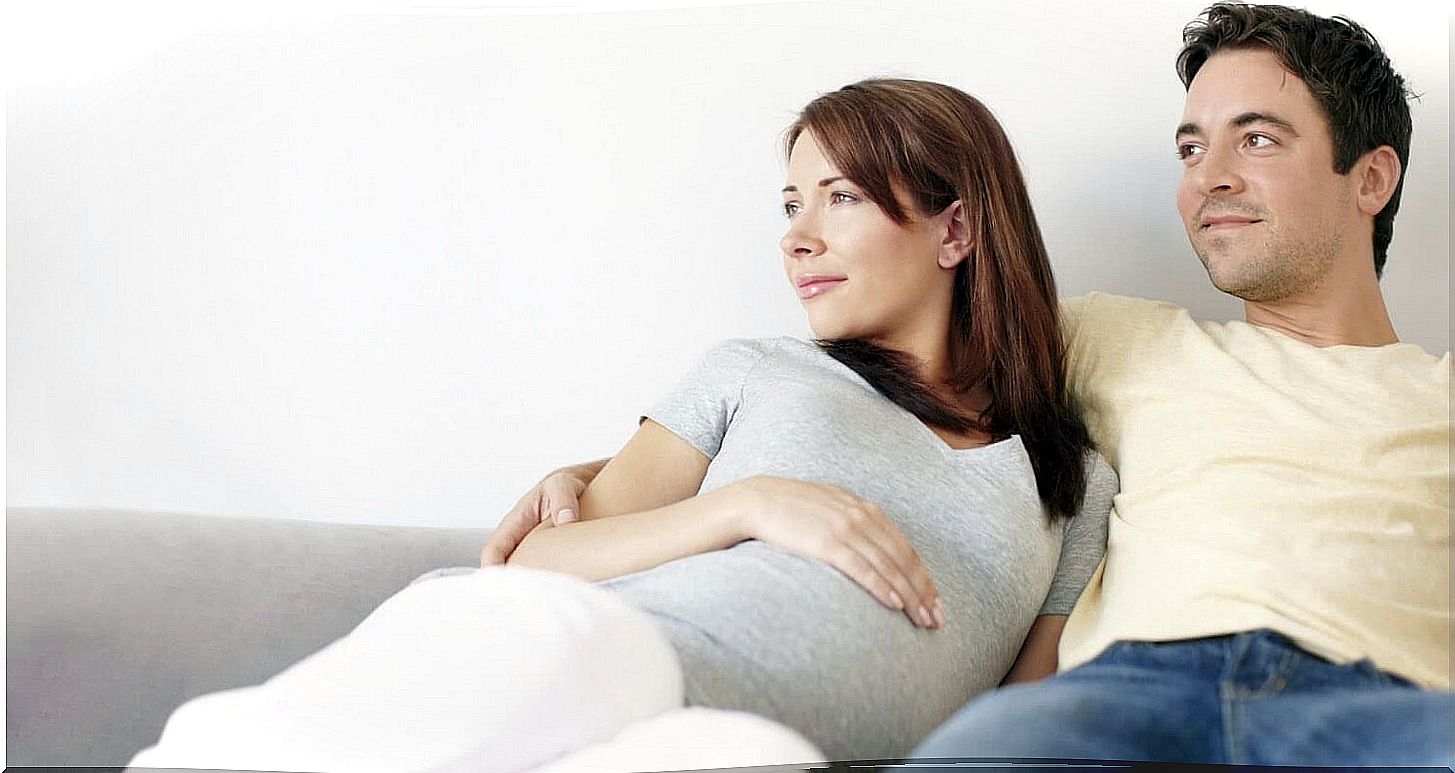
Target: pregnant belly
<point>754,596</point>
<point>763,630</point>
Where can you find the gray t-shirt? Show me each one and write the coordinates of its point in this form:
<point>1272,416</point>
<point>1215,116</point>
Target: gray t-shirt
<point>760,629</point>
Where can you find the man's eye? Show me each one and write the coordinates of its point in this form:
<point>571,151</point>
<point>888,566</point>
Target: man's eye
<point>1187,150</point>
<point>1260,141</point>
<point>839,197</point>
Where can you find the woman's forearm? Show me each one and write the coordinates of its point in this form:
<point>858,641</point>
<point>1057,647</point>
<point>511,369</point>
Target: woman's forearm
<point>586,471</point>
<point>602,548</point>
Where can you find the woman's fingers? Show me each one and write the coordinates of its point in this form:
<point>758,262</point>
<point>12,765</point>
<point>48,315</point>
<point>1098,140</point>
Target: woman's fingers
<point>859,569</point>
<point>512,529</point>
<point>871,567</point>
<point>896,548</point>
<point>555,500</point>
<point>892,555</point>
<point>560,498</point>
<point>854,536</point>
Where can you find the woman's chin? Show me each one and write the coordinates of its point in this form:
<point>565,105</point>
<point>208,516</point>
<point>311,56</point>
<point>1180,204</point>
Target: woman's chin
<point>825,331</point>
<point>820,330</point>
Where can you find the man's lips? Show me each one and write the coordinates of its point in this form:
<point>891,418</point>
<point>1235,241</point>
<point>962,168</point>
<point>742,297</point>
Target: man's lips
<point>1226,222</point>
<point>810,285</point>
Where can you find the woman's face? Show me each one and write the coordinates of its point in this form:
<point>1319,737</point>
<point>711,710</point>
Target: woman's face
<point>858,273</point>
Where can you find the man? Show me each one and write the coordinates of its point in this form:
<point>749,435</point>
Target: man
<point>1276,588</point>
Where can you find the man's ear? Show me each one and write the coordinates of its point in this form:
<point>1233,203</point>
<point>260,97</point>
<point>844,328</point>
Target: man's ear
<point>1379,172</point>
<point>956,245</point>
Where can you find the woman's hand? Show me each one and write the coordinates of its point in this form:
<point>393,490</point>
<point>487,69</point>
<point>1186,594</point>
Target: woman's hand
<point>555,500</point>
<point>844,531</point>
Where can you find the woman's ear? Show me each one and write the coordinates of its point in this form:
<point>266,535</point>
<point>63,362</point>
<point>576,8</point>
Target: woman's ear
<point>956,245</point>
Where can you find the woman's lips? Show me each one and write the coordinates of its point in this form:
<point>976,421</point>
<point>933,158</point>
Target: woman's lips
<point>817,287</point>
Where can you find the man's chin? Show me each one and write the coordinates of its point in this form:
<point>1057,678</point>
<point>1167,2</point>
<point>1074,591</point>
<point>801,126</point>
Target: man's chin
<point>1245,288</point>
<point>1227,278</point>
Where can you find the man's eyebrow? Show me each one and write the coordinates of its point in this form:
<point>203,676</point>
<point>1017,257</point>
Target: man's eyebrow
<point>1242,120</point>
<point>821,183</point>
<point>1250,118</point>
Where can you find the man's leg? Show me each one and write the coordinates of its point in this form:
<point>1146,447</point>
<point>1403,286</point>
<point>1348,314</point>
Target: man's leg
<point>1312,712</point>
<point>1133,702</point>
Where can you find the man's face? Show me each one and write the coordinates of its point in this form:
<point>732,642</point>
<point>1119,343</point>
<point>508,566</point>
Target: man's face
<point>1259,197</point>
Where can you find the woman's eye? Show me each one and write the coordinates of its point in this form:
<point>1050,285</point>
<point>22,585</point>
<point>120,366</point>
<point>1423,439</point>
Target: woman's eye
<point>840,197</point>
<point>790,208</point>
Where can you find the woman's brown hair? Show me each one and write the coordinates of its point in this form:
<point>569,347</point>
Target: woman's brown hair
<point>939,145</point>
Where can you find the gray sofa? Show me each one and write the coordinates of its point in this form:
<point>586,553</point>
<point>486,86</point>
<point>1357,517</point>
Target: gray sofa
<point>115,617</point>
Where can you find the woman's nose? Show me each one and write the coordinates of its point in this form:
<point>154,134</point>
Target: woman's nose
<point>802,239</point>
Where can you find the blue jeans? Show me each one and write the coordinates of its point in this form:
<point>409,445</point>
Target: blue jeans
<point>1249,699</point>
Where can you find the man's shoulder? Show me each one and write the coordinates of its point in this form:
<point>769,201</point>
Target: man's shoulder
<point>1111,303</point>
<point>1096,315</point>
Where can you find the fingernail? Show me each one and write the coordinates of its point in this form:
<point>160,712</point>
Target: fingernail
<point>898,602</point>
<point>924,617</point>
<point>565,515</point>
<point>939,614</point>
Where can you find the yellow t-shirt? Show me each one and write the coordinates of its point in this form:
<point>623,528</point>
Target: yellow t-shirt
<point>1265,483</point>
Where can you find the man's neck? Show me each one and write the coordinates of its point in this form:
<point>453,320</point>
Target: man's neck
<point>1339,313</point>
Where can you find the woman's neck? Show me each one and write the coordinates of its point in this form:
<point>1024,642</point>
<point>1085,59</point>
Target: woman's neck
<point>929,351</point>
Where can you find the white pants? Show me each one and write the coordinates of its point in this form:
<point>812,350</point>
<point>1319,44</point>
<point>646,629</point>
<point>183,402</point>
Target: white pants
<point>504,670</point>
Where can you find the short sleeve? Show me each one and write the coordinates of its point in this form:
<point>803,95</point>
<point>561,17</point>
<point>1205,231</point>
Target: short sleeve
<point>701,406</point>
<point>1084,543</point>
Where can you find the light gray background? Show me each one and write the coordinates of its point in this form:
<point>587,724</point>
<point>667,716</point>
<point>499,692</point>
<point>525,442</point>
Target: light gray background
<point>393,266</point>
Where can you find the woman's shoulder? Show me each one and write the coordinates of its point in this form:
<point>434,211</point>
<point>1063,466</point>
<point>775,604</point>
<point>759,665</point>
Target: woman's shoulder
<point>756,349</point>
<point>736,359</point>
<point>779,359</point>
<point>1099,472</point>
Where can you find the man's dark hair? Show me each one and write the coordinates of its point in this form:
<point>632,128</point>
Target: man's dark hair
<point>1362,97</point>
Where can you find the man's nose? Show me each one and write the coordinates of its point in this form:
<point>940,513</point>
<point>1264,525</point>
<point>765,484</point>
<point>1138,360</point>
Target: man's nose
<point>1217,173</point>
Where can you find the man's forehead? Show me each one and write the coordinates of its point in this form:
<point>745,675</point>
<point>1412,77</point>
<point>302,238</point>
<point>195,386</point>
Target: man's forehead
<point>1237,82</point>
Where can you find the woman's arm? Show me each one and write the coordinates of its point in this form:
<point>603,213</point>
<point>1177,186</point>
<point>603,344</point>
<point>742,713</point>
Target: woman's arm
<point>643,510</point>
<point>639,512</point>
<point>552,501</point>
<point>1037,658</point>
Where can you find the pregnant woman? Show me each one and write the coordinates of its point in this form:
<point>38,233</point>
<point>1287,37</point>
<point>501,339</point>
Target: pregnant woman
<point>850,536</point>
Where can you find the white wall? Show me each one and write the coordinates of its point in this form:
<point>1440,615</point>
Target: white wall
<point>392,267</point>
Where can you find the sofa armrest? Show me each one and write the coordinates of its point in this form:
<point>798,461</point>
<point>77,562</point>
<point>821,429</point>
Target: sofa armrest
<point>117,617</point>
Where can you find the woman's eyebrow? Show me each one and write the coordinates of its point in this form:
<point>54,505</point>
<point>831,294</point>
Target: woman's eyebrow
<point>821,183</point>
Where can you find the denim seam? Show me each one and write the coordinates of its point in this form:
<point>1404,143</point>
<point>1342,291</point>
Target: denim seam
<point>1231,723</point>
<point>1229,693</point>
